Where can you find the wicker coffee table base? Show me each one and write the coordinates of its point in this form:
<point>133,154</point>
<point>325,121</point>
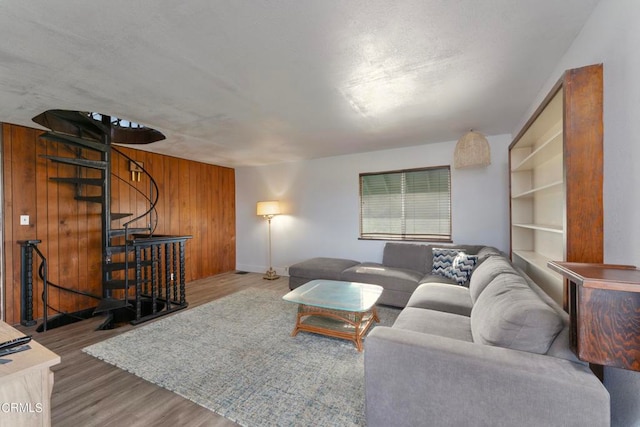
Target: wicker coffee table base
<point>347,325</point>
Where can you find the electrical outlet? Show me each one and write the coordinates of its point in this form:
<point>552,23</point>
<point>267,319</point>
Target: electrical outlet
<point>24,219</point>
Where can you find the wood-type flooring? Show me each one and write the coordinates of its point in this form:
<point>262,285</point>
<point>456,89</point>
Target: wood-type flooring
<point>89,392</point>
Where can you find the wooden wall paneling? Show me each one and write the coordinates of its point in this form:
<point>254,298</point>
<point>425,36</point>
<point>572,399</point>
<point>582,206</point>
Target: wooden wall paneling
<point>228,224</point>
<point>123,190</point>
<point>41,221</point>
<point>217,219</point>
<point>126,195</point>
<point>8,218</point>
<point>84,236</point>
<point>115,190</point>
<point>164,212</point>
<point>172,169</point>
<point>94,240</point>
<point>67,208</point>
<point>216,214</point>
<point>51,239</point>
<point>186,215</point>
<point>24,189</point>
<point>196,219</point>
<point>138,199</point>
<point>155,166</point>
<point>208,244</point>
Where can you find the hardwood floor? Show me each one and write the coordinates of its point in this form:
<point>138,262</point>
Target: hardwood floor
<point>89,392</point>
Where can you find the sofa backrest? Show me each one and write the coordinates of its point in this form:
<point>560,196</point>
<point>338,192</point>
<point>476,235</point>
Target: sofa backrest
<point>560,347</point>
<point>487,251</point>
<point>407,256</point>
<point>486,271</point>
<point>509,314</point>
<point>418,257</point>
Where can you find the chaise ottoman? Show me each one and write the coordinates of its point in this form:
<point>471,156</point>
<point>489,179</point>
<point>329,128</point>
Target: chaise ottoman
<point>318,268</point>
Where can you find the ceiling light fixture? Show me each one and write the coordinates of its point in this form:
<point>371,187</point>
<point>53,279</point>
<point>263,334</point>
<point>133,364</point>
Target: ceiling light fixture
<point>472,150</point>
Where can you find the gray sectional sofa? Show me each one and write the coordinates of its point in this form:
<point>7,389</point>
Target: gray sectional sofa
<point>404,267</point>
<point>492,352</point>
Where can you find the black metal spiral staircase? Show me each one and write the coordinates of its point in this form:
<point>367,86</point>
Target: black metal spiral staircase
<point>142,273</point>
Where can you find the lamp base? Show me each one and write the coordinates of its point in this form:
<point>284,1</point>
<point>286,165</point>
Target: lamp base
<point>270,275</point>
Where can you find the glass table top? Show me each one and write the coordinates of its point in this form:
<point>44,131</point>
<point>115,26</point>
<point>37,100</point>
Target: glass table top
<point>336,295</point>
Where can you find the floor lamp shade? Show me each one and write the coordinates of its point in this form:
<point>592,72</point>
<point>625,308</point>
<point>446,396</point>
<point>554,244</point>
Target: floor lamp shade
<point>268,210</point>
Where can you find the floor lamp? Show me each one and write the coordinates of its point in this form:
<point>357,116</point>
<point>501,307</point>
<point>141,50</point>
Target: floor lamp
<point>268,210</point>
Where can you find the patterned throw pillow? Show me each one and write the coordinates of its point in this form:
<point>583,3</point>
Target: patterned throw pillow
<point>453,264</point>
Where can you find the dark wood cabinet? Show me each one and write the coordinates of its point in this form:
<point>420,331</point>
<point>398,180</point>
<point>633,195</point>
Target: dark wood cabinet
<point>604,308</point>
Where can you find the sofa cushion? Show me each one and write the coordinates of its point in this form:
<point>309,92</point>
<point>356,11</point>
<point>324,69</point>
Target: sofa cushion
<point>442,297</point>
<point>486,272</point>
<point>487,251</point>
<point>407,256</point>
<point>435,323</point>
<point>321,268</point>
<point>461,268</point>
<point>454,264</point>
<point>390,278</point>
<point>436,278</point>
<point>443,260</point>
<point>510,314</point>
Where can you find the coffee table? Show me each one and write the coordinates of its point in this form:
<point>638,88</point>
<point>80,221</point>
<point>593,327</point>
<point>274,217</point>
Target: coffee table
<point>336,309</point>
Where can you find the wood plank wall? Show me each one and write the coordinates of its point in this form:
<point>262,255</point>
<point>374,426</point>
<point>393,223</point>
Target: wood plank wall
<point>196,199</point>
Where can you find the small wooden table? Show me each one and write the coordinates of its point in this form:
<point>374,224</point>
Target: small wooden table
<point>604,308</point>
<point>336,309</point>
<point>26,383</point>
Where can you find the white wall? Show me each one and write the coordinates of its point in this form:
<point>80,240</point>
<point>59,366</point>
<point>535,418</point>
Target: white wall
<point>321,203</point>
<point>612,37</point>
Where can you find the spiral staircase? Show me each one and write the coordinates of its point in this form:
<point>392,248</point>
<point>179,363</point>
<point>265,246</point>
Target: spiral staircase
<point>143,274</point>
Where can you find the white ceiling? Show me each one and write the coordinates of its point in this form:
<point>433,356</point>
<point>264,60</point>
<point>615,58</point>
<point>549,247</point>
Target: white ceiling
<point>255,82</point>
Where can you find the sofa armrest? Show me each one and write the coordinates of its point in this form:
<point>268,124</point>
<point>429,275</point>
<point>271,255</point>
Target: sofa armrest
<point>413,379</point>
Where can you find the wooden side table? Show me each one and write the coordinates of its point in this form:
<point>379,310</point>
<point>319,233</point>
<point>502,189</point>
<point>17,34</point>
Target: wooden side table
<point>604,308</point>
<point>26,382</point>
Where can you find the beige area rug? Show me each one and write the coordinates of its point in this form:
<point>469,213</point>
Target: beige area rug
<point>235,356</point>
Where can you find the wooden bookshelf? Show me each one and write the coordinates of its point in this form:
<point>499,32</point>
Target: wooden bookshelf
<point>556,169</point>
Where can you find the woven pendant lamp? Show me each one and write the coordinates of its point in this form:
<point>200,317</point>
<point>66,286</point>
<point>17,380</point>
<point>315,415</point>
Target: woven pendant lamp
<point>472,150</point>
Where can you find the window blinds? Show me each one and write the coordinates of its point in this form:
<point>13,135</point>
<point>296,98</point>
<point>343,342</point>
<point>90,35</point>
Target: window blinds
<point>406,205</point>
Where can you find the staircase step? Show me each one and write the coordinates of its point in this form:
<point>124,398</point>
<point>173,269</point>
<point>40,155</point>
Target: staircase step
<point>92,199</point>
<point>71,122</point>
<point>108,304</point>
<point>68,139</point>
<point>82,181</point>
<point>119,215</point>
<point>118,249</point>
<point>93,164</point>
<point>115,232</point>
<point>121,283</point>
<point>118,266</point>
<point>116,284</point>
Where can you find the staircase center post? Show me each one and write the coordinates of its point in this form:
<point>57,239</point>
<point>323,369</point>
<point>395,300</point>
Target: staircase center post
<point>106,202</point>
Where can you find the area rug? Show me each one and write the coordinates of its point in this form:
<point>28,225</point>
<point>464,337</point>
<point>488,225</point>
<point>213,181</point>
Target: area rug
<point>235,356</point>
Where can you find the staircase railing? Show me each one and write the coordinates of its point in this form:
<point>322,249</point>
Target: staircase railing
<point>160,281</point>
<point>152,198</point>
<point>26,280</point>
<point>28,247</point>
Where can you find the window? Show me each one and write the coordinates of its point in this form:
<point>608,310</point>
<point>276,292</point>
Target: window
<point>406,205</point>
